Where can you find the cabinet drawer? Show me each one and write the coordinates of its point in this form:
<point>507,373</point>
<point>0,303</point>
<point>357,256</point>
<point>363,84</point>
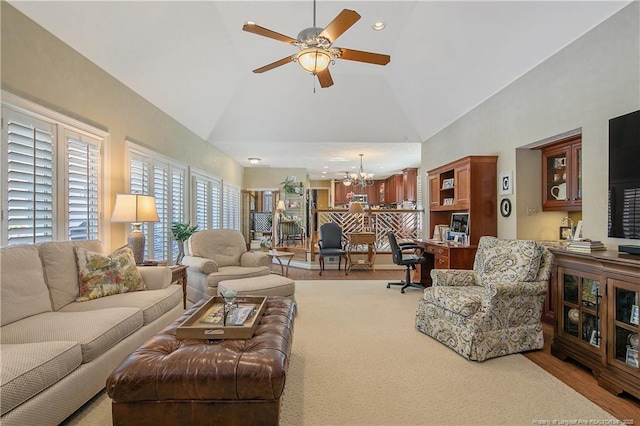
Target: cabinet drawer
<point>441,262</point>
<point>441,258</point>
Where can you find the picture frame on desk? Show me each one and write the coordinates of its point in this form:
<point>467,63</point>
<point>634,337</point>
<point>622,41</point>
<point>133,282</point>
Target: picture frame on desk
<point>444,230</point>
<point>565,233</point>
<point>448,183</point>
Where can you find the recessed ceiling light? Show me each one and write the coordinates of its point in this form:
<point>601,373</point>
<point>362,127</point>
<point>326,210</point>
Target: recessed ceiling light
<point>378,26</point>
<point>324,173</point>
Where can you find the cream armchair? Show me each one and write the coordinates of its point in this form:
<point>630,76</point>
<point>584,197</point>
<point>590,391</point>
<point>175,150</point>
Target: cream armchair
<point>216,255</point>
<point>493,310</point>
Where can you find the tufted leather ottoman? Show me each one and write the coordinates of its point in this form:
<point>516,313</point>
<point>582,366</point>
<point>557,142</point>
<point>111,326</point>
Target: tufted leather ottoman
<point>204,382</point>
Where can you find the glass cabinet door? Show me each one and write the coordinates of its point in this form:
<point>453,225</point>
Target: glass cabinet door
<point>581,306</point>
<point>625,324</point>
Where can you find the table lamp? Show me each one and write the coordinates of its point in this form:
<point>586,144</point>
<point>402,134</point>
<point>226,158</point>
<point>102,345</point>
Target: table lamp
<point>280,207</point>
<point>135,209</point>
<point>356,208</point>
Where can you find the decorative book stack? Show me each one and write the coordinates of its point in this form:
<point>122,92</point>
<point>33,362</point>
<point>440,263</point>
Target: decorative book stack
<point>585,246</point>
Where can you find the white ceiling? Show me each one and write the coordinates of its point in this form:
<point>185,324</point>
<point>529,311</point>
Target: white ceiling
<point>193,61</point>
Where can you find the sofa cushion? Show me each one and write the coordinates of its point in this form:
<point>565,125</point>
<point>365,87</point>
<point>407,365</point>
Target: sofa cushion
<point>463,301</point>
<point>28,369</point>
<point>102,275</point>
<point>96,331</point>
<point>511,261</point>
<point>23,291</point>
<point>152,303</point>
<point>61,268</point>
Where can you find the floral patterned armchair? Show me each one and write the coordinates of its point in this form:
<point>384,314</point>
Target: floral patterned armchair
<point>496,308</point>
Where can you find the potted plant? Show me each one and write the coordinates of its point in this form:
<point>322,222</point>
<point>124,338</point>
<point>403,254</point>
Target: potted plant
<point>181,232</point>
<point>265,243</point>
<point>290,186</point>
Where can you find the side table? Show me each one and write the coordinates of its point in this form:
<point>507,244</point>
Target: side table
<point>357,243</point>
<point>279,255</point>
<point>179,276</point>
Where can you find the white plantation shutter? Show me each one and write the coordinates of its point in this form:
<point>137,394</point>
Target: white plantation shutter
<point>201,203</point>
<point>50,175</point>
<point>83,184</point>
<point>165,180</point>
<point>30,179</point>
<point>206,201</point>
<point>178,211</point>
<point>161,192</point>
<point>230,207</point>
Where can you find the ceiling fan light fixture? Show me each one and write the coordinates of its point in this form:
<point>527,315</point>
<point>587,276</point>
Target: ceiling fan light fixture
<point>314,60</point>
<point>254,160</point>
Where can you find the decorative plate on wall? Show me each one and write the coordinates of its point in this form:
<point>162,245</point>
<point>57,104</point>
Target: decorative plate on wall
<point>505,207</point>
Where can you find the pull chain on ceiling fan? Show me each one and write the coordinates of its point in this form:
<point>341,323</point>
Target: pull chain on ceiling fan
<point>316,46</point>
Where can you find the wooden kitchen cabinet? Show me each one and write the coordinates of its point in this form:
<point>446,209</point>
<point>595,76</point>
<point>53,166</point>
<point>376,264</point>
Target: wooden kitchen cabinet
<point>562,175</point>
<point>410,184</point>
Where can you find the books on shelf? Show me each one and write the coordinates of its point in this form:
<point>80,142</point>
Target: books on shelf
<point>585,246</point>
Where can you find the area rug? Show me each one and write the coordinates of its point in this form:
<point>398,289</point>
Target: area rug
<point>358,360</point>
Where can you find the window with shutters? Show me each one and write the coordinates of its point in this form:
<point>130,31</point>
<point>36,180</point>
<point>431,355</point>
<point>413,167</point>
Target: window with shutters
<point>230,207</point>
<point>153,174</point>
<point>206,200</point>
<point>51,175</point>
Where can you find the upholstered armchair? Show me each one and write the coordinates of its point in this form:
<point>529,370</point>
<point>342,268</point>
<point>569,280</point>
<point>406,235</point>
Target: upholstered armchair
<point>496,308</point>
<point>216,255</point>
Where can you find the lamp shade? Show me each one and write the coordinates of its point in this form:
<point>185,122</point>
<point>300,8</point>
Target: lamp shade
<point>280,207</point>
<point>355,207</point>
<point>314,60</point>
<point>134,208</point>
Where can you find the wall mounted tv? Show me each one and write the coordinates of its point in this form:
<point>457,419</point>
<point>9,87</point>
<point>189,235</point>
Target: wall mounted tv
<point>624,176</point>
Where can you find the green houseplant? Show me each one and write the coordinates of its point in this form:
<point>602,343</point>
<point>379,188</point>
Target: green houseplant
<point>290,186</point>
<point>181,231</point>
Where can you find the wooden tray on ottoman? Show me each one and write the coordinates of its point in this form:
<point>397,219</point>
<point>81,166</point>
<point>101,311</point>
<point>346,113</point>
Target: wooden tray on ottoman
<point>192,328</point>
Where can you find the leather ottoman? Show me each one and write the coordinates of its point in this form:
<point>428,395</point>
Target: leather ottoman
<point>204,382</point>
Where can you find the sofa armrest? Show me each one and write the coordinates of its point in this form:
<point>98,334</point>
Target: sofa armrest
<point>253,259</point>
<point>517,289</point>
<point>155,277</point>
<point>200,264</point>
<point>453,277</point>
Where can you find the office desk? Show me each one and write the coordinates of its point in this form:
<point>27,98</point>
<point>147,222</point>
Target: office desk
<point>441,255</point>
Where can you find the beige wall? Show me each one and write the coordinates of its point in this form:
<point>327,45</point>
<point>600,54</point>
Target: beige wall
<point>584,85</point>
<point>256,178</point>
<point>39,67</point>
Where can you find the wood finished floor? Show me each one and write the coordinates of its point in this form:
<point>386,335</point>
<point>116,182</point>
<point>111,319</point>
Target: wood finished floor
<point>624,407</point>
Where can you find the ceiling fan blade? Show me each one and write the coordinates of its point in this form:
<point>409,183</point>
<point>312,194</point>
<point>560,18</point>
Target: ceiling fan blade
<point>360,56</point>
<point>273,65</point>
<point>324,77</point>
<point>340,24</point>
<point>257,29</point>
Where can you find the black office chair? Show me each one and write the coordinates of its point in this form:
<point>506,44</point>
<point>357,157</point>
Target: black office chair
<point>409,260</point>
<point>331,245</point>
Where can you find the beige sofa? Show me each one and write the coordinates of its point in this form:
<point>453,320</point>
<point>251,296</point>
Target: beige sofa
<point>217,255</point>
<point>57,353</point>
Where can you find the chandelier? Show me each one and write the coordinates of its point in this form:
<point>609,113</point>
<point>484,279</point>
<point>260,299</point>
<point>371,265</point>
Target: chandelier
<point>360,179</point>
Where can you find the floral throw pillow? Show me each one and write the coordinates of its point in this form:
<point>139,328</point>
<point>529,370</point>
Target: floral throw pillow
<point>103,275</point>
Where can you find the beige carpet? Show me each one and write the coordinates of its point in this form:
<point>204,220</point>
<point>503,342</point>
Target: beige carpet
<point>358,360</point>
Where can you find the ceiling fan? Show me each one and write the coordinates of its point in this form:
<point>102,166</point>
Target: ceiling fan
<point>316,46</point>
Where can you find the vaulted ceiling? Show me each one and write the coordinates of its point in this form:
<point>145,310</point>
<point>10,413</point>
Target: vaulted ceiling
<point>193,61</point>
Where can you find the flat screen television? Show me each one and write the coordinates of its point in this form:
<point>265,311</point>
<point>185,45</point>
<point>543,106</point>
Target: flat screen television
<point>459,225</point>
<point>624,176</point>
